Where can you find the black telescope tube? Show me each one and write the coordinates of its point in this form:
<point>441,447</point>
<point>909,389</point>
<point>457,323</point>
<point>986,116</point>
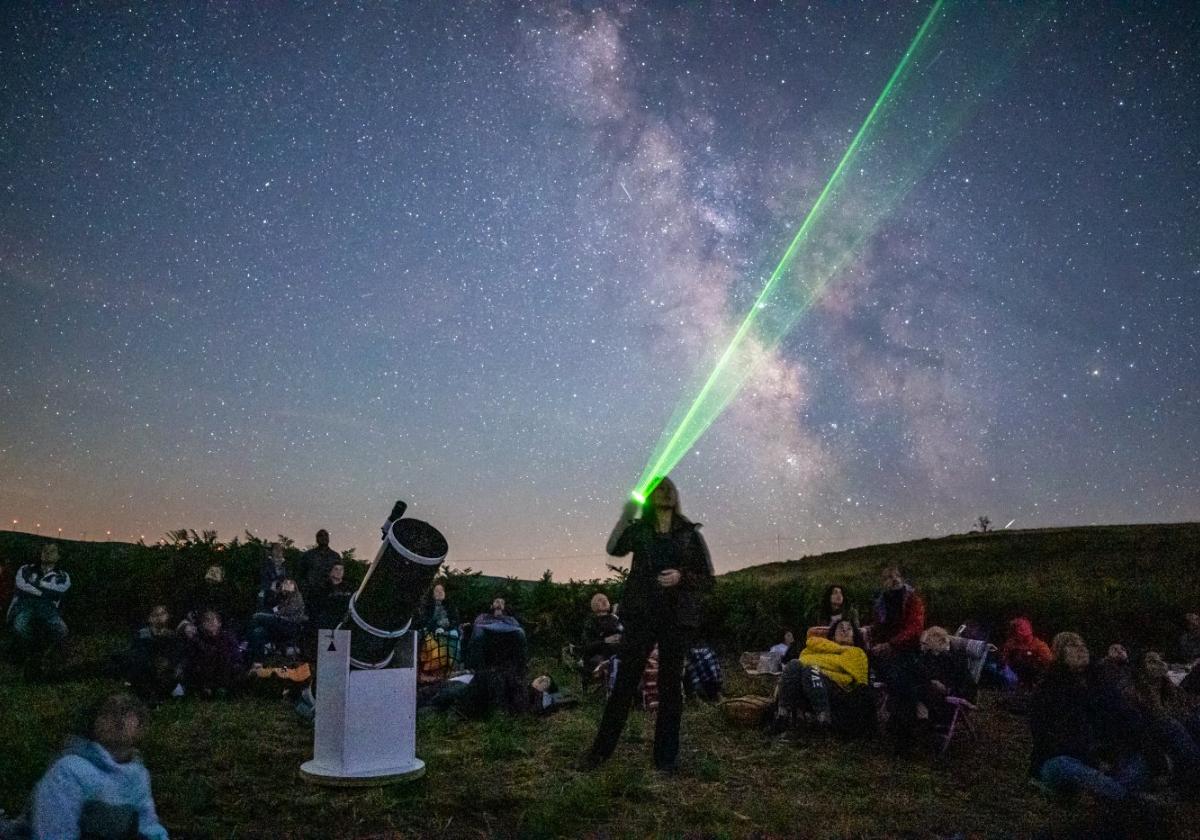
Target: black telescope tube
<point>382,609</point>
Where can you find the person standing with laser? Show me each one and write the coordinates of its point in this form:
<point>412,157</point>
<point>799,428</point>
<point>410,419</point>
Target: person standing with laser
<point>662,603</point>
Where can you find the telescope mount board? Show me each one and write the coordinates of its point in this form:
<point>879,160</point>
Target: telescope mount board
<point>313,772</point>
<point>365,724</point>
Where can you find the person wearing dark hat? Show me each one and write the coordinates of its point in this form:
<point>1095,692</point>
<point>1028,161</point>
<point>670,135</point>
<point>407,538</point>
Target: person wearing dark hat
<point>662,604</point>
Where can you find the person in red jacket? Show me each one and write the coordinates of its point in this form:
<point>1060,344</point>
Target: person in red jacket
<point>899,617</point>
<point>895,651</point>
<point>1026,654</point>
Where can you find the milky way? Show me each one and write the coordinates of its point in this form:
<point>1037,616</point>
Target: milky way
<point>270,268</point>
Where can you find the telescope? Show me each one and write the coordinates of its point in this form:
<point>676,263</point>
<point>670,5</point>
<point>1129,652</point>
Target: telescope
<point>366,683</point>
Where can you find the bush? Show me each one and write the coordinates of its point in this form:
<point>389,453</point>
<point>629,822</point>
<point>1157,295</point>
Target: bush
<point>1113,582</point>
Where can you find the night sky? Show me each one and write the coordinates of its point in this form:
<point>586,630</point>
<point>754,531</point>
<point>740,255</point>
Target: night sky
<point>272,268</point>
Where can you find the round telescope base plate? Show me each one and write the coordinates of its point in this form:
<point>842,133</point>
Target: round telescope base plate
<point>317,774</point>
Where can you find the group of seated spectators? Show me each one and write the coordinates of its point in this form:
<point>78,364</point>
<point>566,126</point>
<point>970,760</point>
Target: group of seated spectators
<point>216,640</point>
<point>1109,728</point>
<point>216,643</point>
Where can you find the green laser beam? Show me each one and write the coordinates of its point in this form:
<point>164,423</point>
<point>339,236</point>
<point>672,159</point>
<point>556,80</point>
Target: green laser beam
<point>898,147</point>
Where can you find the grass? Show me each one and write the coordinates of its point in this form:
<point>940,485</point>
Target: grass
<point>229,769</point>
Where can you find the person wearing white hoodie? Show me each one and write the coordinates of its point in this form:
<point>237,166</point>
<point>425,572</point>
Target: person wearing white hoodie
<point>98,786</point>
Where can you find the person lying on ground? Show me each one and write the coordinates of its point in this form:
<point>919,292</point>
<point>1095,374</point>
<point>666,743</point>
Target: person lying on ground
<point>98,787</point>
<point>1066,748</point>
<point>212,660</point>
<point>37,624</point>
<point>282,625</point>
<point>477,695</point>
<point>828,670</point>
<point>1025,654</point>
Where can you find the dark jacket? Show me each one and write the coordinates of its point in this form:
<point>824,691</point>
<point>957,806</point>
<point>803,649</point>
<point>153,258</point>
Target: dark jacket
<point>212,661</point>
<point>1061,719</point>
<point>899,619</point>
<point>681,548</point>
<point>313,570</point>
<point>435,616</point>
<point>269,578</point>
<point>219,597</point>
<point>328,605</point>
<point>597,629</point>
<point>950,670</point>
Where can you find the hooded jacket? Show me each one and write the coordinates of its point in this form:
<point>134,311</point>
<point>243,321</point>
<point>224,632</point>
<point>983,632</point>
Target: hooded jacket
<point>1021,646</point>
<point>86,772</point>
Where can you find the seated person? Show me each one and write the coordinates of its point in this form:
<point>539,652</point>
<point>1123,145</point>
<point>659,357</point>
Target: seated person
<point>331,601</point>
<point>153,666</point>
<point>1189,640</point>
<point>99,787</point>
<point>440,636</point>
<point>282,626</point>
<point>212,660</point>
<point>1066,750</point>
<point>270,576</point>
<point>1025,654</point>
<point>940,674</point>
<point>899,620</point>
<point>1119,721</point>
<point>834,607</point>
<point>34,612</point>
<point>781,648</point>
<point>827,673</point>
<point>214,594</point>
<point>1173,723</point>
<point>702,673</point>
<point>437,613</point>
<point>497,640</point>
<point>601,635</point>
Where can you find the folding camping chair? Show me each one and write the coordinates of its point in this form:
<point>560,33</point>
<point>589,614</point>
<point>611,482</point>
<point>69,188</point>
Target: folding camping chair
<point>975,652</point>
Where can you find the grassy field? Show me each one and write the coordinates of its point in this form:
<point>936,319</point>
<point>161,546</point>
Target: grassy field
<point>229,769</point>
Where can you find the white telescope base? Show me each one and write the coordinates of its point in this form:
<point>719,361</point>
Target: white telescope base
<point>365,727</point>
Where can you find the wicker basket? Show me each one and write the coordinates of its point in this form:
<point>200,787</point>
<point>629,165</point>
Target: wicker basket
<point>750,710</point>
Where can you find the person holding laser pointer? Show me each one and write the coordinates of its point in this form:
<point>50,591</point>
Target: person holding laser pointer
<point>662,603</point>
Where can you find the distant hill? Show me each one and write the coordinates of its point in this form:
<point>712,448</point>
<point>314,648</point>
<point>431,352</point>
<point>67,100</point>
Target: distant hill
<point>1132,581</point>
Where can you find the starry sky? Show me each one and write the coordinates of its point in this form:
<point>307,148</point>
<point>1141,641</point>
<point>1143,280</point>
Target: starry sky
<point>273,266</point>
